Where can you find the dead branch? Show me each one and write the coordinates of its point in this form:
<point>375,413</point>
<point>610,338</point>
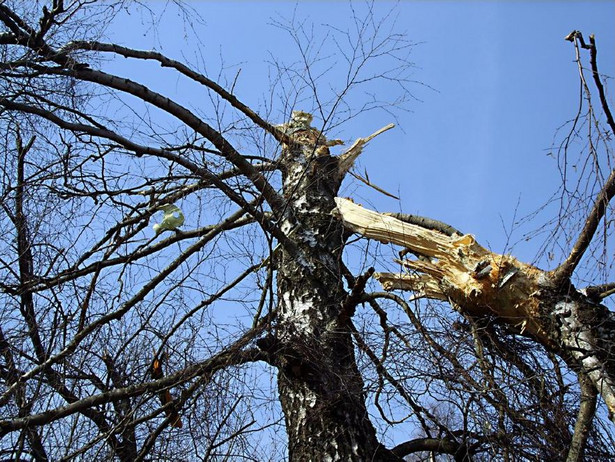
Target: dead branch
<point>429,223</point>
<point>460,451</point>
<point>346,159</point>
<point>461,270</point>
<point>600,292</point>
<point>478,282</point>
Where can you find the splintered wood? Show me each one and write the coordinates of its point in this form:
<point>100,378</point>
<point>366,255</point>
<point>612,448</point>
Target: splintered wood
<point>456,269</point>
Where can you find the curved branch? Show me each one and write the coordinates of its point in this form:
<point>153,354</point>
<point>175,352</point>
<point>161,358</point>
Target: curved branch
<point>383,372</point>
<point>440,445</point>
<point>140,91</point>
<point>185,70</point>
<point>605,105</point>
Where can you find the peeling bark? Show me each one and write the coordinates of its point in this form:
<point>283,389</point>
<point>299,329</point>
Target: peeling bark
<point>478,282</point>
<point>320,387</point>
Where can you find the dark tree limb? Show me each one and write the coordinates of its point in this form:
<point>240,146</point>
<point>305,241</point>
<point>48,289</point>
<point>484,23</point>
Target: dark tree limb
<point>583,425</point>
<point>598,293</point>
<point>593,52</point>
<point>354,297</point>
<point>20,33</point>
<point>123,409</point>
<point>459,451</point>
<point>603,101</point>
<point>427,223</point>
<point>563,272</point>
<point>10,374</point>
<point>185,70</point>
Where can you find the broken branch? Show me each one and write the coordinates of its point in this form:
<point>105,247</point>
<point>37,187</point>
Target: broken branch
<point>346,159</point>
<point>457,270</point>
<point>478,283</point>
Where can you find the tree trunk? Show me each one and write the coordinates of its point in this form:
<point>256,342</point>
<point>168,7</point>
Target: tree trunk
<point>481,283</point>
<point>321,390</point>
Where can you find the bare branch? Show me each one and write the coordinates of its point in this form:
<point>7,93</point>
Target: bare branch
<point>602,291</point>
<point>438,445</point>
<point>593,59</point>
<point>185,70</point>
<point>563,272</point>
<point>346,159</point>
<point>232,355</point>
<point>583,425</point>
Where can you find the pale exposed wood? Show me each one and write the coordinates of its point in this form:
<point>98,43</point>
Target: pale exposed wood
<point>457,269</point>
<point>346,159</point>
<point>478,282</point>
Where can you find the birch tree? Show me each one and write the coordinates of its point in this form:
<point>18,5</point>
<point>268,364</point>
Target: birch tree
<point>175,287</point>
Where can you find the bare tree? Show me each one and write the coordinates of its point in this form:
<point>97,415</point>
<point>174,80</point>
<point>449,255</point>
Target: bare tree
<point>236,316</point>
<point>501,297</point>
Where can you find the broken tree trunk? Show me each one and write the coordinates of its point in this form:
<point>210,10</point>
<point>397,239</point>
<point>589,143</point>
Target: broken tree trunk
<point>320,386</point>
<point>478,282</point>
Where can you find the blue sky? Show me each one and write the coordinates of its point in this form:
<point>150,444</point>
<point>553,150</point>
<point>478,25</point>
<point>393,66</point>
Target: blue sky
<point>499,79</point>
<point>494,81</point>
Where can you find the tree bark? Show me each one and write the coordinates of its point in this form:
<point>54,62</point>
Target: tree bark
<point>320,387</point>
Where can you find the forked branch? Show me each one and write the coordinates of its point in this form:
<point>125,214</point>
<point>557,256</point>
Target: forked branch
<point>565,270</point>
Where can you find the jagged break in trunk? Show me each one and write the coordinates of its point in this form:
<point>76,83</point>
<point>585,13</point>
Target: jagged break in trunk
<point>320,387</point>
<point>478,282</point>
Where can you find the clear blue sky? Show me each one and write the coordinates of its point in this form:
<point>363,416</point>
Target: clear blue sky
<point>501,81</point>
